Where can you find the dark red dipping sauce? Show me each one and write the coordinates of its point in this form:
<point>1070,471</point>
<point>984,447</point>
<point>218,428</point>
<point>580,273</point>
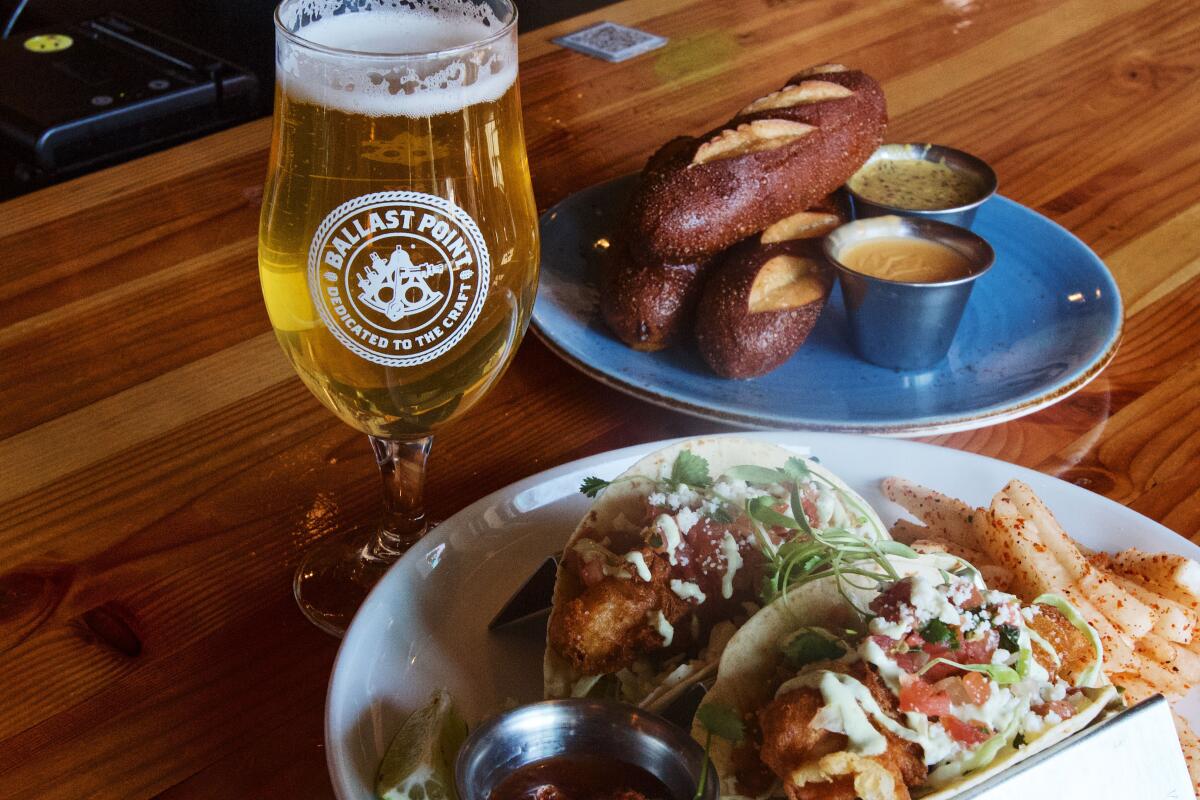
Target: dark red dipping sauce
<point>580,778</point>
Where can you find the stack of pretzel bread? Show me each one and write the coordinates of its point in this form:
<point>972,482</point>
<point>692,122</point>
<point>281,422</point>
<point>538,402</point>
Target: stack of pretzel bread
<point>724,228</point>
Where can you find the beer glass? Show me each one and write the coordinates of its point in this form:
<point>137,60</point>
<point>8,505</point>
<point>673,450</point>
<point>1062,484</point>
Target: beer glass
<point>398,245</point>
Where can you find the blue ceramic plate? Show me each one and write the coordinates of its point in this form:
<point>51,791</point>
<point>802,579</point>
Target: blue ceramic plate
<point>1040,324</point>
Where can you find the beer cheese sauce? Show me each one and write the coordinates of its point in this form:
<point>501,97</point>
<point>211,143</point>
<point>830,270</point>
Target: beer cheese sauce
<point>906,259</point>
<point>915,184</point>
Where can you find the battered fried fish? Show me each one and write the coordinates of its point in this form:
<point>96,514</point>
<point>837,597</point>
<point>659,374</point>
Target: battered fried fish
<point>817,760</point>
<point>1074,650</point>
<point>615,620</point>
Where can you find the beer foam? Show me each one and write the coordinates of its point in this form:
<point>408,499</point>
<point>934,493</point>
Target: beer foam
<point>400,82</point>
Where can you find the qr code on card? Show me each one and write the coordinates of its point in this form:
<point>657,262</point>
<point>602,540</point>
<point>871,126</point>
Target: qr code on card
<point>610,41</point>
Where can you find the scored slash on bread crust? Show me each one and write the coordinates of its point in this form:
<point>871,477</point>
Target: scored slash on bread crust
<point>751,137</point>
<point>691,204</point>
<point>798,94</point>
<point>761,301</point>
<point>786,281</point>
<point>742,334</point>
<point>820,69</point>
<point>804,225</point>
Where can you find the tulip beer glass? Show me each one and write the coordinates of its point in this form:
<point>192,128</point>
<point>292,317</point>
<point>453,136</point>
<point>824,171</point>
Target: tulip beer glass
<point>398,246</point>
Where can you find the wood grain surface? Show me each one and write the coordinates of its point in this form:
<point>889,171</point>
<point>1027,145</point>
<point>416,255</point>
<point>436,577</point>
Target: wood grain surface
<point>162,468</point>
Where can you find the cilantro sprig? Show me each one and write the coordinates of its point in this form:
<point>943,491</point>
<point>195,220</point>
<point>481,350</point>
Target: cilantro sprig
<point>1010,638</point>
<point>937,632</point>
<point>721,721</point>
<point>688,469</point>
<point>717,720</point>
<point>592,485</point>
<point>812,644</point>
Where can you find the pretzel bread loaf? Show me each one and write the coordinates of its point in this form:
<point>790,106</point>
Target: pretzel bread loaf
<point>647,301</point>
<point>763,299</point>
<point>647,304</point>
<point>778,156</point>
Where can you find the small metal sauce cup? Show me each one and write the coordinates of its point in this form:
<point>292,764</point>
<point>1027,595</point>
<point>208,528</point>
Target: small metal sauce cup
<point>900,325</point>
<point>623,732</point>
<point>957,160</point>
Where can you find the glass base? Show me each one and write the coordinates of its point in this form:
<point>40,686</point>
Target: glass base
<point>336,575</point>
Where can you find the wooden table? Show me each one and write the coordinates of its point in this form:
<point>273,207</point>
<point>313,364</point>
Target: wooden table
<point>162,468</point>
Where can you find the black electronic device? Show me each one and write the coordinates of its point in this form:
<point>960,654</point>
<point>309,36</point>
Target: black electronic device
<point>87,94</point>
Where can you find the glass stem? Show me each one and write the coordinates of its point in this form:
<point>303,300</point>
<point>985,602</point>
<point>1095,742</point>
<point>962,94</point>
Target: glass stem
<point>402,467</point>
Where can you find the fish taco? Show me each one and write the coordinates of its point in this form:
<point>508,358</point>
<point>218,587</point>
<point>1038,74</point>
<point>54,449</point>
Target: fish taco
<point>675,554</point>
<point>902,679</point>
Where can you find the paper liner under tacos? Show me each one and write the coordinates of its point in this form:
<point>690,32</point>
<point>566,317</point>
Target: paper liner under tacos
<point>749,666</point>
<point>626,497</point>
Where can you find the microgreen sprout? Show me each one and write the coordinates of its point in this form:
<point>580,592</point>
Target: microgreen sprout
<point>850,558</point>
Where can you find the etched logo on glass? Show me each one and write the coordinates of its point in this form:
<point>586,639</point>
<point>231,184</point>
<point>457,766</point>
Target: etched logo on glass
<point>398,277</point>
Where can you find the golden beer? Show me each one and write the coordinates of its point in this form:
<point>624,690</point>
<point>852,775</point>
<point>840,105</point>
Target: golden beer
<point>398,249</point>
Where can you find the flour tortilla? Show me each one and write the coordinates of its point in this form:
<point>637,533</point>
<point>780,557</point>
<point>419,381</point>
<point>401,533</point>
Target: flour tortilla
<point>627,497</point>
<point>747,673</point>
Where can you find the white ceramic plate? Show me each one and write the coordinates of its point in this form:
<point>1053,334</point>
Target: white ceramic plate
<point>425,624</point>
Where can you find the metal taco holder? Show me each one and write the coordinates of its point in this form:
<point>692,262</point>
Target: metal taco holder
<point>1133,754</point>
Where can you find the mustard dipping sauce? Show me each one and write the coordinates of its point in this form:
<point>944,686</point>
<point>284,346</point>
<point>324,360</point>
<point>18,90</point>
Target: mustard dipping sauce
<point>906,259</point>
<point>915,184</point>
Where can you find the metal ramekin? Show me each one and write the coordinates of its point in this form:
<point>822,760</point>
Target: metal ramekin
<point>955,159</point>
<point>900,325</point>
<point>582,727</point>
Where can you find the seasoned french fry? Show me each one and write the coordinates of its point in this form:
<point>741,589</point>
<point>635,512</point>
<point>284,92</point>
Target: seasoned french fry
<point>1035,571</point>
<point>997,577</point>
<point>946,517</point>
<point>1135,688</point>
<point>974,557</point>
<point>926,546</point>
<point>1182,664</point>
<point>1009,544</point>
<point>1119,653</point>
<point>1187,661</point>
<point>1174,621</point>
<point>1191,749</point>
<point>1041,526</point>
<point>1121,608</point>
<point>1157,648</point>
<point>1172,576</point>
<point>1165,678</point>
<point>907,531</point>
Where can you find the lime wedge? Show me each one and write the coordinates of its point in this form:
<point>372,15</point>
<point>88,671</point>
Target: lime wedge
<point>419,762</point>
